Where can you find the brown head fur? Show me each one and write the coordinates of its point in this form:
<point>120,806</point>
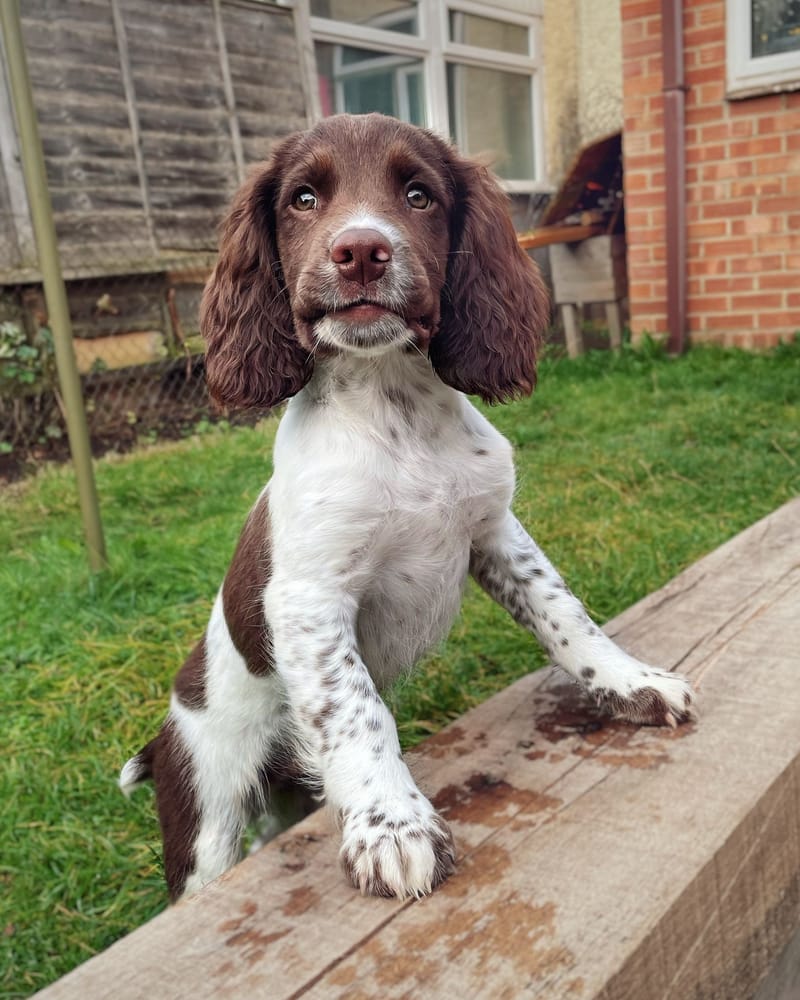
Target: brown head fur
<point>474,299</point>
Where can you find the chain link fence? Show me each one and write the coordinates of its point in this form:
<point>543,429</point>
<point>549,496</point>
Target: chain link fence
<point>139,354</point>
<point>149,114</point>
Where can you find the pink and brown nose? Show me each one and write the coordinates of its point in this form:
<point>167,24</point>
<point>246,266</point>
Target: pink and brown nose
<point>361,255</point>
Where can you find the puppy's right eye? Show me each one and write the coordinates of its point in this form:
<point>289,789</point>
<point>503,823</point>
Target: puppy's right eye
<point>304,199</point>
<point>418,197</point>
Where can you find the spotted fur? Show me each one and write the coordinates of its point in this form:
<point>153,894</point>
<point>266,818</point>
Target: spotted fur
<point>388,488</point>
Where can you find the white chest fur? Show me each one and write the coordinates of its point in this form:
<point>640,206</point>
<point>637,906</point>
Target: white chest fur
<point>383,478</point>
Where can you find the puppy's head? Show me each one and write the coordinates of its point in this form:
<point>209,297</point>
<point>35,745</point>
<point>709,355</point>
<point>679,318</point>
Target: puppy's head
<point>367,235</point>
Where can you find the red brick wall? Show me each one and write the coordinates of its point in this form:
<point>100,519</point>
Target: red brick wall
<point>743,187</point>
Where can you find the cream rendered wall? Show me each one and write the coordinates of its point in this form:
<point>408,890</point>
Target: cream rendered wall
<point>600,68</point>
<point>583,77</point>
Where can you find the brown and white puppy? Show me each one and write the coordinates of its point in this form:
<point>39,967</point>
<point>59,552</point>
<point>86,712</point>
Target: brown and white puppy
<point>370,273</point>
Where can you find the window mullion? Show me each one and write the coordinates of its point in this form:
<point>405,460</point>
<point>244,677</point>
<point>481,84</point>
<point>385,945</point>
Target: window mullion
<point>497,11</point>
<point>475,56</point>
<point>433,16</point>
<point>339,33</point>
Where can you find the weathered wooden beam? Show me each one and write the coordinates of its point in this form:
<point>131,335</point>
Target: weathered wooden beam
<point>596,860</point>
<point>548,235</point>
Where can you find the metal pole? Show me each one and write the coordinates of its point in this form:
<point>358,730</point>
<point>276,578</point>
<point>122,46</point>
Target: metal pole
<point>675,163</point>
<point>33,167</point>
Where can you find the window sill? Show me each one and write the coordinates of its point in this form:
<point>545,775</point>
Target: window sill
<point>744,89</point>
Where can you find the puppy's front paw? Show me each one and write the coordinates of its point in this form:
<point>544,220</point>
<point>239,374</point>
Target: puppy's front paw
<point>655,698</point>
<point>390,851</point>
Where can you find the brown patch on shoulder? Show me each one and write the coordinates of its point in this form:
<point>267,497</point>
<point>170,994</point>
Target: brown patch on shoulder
<point>243,591</point>
<point>190,682</point>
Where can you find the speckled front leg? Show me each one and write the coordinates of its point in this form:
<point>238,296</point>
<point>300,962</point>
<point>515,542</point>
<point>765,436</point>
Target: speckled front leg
<point>393,841</point>
<point>515,572</point>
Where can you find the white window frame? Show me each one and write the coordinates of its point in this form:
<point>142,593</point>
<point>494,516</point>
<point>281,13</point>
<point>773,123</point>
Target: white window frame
<point>749,75</point>
<point>434,49</point>
<point>390,60</point>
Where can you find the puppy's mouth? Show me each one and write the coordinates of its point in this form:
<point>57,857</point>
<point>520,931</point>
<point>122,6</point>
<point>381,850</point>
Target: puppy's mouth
<point>366,312</point>
<point>361,312</point>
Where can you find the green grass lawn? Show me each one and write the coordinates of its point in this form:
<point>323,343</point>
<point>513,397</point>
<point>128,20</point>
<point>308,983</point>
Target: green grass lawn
<point>630,467</point>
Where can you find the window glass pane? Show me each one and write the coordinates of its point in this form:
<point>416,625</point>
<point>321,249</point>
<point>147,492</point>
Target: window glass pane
<point>775,27</point>
<point>360,80</point>
<point>391,15</point>
<point>490,112</point>
<point>486,32</point>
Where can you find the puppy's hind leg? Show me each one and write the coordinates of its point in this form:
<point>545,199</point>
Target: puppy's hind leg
<point>168,761</point>
<point>210,759</point>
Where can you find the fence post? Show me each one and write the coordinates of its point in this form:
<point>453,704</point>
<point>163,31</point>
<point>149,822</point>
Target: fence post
<point>33,167</point>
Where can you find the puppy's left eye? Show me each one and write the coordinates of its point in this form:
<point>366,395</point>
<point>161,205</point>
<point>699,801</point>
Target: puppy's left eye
<point>418,197</point>
<point>304,199</point>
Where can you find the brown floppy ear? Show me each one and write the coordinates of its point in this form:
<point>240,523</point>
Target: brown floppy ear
<point>495,306</point>
<point>253,357</point>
